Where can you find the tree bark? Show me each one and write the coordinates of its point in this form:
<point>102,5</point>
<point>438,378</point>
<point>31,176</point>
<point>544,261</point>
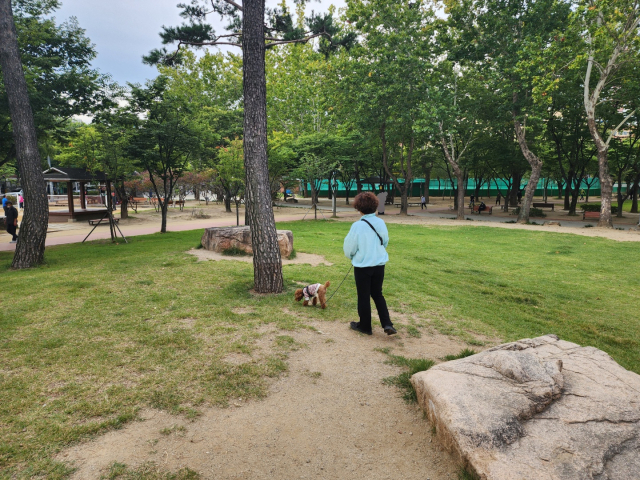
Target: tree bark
<point>227,202</point>
<point>459,176</point>
<point>606,184</point>
<point>163,209</point>
<point>33,229</point>
<point>634,195</point>
<point>267,262</point>
<point>536,167</point>
<point>427,182</point>
<point>568,192</point>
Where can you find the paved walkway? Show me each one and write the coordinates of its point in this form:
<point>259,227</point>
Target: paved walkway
<point>449,214</point>
<point>64,236</point>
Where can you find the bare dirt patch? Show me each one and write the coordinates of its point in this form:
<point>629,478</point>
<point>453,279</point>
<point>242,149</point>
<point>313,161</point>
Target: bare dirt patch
<point>187,322</point>
<point>301,258</point>
<point>329,417</point>
<point>237,358</point>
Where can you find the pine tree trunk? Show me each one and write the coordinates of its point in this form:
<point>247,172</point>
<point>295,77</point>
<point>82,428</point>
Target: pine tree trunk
<point>267,263</point>
<point>33,229</point>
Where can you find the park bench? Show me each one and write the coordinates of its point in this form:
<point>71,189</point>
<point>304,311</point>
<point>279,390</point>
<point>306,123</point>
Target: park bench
<point>544,205</point>
<point>590,215</point>
<point>476,209</point>
<point>410,204</point>
<point>135,202</point>
<point>102,221</point>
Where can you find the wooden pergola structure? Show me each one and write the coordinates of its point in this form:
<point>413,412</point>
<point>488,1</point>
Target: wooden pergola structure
<point>70,176</point>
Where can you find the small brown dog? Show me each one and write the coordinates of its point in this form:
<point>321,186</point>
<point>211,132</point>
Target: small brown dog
<point>313,293</point>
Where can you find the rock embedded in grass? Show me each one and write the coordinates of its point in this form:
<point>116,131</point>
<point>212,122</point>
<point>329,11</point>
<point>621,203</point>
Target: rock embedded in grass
<point>219,239</point>
<point>539,405</point>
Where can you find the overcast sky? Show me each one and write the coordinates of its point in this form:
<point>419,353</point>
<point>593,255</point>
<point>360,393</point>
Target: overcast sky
<point>125,30</point>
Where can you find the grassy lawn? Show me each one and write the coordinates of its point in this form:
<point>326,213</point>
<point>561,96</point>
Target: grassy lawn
<point>103,330</point>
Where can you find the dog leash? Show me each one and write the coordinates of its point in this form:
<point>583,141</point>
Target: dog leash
<point>336,290</point>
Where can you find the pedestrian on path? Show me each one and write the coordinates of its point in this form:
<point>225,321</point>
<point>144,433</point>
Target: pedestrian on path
<point>423,202</point>
<point>20,201</point>
<point>365,245</point>
<point>5,200</point>
<point>498,198</point>
<point>11,215</point>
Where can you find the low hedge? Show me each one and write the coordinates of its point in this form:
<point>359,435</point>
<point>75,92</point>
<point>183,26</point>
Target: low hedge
<point>533,212</point>
<point>595,207</point>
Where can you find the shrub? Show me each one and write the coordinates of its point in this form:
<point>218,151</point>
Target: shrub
<point>595,207</point>
<point>533,212</point>
<point>234,252</point>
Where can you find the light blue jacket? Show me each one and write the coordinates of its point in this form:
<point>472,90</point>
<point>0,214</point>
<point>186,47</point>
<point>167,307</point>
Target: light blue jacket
<point>362,245</point>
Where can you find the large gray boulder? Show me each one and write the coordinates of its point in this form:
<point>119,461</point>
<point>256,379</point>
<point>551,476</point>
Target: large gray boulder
<point>538,408</point>
<point>219,239</point>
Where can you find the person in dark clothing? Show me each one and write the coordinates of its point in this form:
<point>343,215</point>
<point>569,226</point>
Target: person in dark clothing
<point>366,247</point>
<point>498,198</point>
<point>519,196</point>
<point>12,221</point>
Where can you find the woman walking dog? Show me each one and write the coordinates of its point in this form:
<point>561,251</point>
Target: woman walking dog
<point>365,245</point>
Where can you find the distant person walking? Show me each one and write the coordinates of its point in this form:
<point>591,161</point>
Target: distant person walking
<point>423,202</point>
<point>582,192</point>
<point>11,215</point>
<point>20,201</point>
<point>365,245</point>
<point>498,198</point>
<point>519,196</point>
<point>5,200</point>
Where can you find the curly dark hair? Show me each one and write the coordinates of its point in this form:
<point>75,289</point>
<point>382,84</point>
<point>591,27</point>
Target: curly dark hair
<point>365,202</point>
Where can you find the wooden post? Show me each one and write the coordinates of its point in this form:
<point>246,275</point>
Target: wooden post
<point>83,198</point>
<point>70,197</point>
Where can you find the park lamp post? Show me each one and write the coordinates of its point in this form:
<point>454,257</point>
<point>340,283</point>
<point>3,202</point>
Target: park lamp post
<point>334,188</point>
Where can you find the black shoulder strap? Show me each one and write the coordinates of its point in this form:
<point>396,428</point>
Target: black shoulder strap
<point>367,222</point>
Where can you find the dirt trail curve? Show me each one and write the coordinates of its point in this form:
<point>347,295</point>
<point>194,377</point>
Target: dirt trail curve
<point>342,422</point>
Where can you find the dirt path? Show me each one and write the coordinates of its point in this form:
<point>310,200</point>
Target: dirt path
<point>330,417</point>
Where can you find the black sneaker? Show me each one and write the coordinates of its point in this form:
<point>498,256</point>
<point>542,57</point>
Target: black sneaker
<point>356,326</point>
<point>390,330</point>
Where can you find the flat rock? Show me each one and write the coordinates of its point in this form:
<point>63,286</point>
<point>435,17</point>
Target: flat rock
<point>219,239</point>
<point>538,408</point>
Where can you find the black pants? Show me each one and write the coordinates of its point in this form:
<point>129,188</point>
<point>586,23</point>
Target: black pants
<point>11,230</point>
<point>369,284</point>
